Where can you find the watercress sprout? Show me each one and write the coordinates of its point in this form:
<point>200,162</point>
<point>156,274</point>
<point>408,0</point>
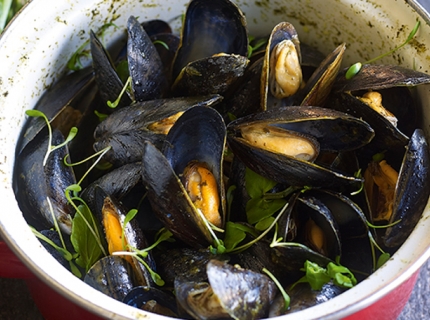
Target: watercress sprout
<point>281,289</point>
<point>72,133</point>
<point>356,67</point>
<point>114,104</point>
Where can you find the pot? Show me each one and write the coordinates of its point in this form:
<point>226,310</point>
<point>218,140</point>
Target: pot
<point>34,50</point>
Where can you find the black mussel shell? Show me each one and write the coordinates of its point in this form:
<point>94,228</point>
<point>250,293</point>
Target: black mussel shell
<point>38,183</point>
<point>322,124</point>
<point>319,85</point>
<point>107,79</point>
<point>127,129</point>
<point>108,205</point>
<point>113,276</point>
<point>152,300</point>
<point>144,64</point>
<point>356,247</point>
<point>57,101</point>
<point>197,136</point>
<point>302,297</point>
<point>271,92</point>
<point>215,74</point>
<point>231,292</point>
<point>412,190</point>
<point>211,27</point>
<point>387,136</point>
<point>117,183</point>
<point>374,77</point>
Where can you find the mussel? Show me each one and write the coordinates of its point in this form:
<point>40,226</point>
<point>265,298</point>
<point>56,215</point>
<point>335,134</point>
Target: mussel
<point>184,181</point>
<point>212,53</point>
<point>304,124</point>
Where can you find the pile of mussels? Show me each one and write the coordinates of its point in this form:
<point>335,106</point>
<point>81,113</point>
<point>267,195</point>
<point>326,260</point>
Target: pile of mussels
<point>200,116</point>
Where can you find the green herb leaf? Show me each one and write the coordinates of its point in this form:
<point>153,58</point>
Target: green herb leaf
<point>315,275</point>
<point>382,259</point>
<point>257,185</point>
<point>264,223</point>
<point>83,239</point>
<point>341,275</point>
<point>258,209</point>
<point>234,235</point>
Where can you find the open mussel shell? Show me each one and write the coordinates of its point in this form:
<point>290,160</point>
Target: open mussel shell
<point>113,276</point>
<point>281,75</point>
<point>412,190</point>
<point>319,85</point>
<point>152,300</point>
<point>352,228</point>
<point>126,130</point>
<point>111,215</point>
<point>185,263</point>
<point>144,64</point>
<point>311,215</point>
<point>117,183</point>
<point>198,136</point>
<point>302,297</point>
<point>374,77</point>
<point>167,45</point>
<point>211,27</point>
<point>58,100</point>
<point>107,79</point>
<point>231,292</point>
<point>387,136</point>
<point>333,131</point>
<point>41,187</point>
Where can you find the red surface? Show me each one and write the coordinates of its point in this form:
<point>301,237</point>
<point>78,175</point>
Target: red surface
<point>54,306</point>
<point>390,306</point>
<point>11,266</point>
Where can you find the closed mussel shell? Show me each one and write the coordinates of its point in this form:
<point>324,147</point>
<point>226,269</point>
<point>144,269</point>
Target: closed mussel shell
<point>144,64</point>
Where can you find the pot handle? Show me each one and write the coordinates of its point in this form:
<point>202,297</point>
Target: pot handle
<point>10,265</point>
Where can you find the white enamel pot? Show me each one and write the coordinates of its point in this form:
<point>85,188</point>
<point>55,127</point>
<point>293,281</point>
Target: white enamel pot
<point>33,52</point>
